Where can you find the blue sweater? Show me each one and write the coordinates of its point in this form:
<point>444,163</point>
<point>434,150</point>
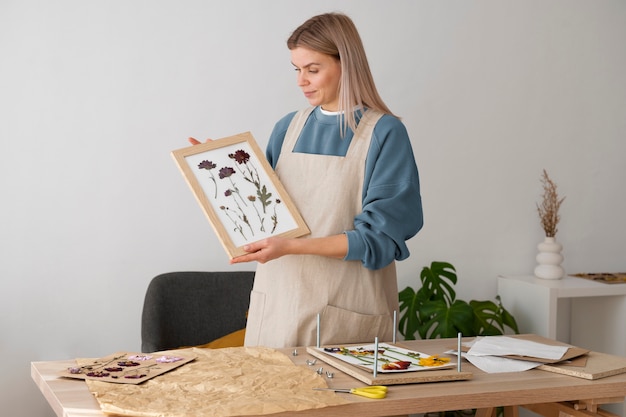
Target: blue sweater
<point>392,206</point>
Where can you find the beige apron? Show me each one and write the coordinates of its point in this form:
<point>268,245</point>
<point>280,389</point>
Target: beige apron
<point>355,304</point>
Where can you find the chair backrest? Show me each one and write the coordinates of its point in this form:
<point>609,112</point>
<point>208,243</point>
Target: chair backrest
<point>193,308</point>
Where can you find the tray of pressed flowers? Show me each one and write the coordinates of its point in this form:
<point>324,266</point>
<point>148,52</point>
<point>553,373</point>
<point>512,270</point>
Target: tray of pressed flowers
<point>394,364</point>
<point>127,368</point>
<point>604,277</point>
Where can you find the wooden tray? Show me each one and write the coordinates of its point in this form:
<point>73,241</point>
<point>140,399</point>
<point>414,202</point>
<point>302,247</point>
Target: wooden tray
<point>396,378</point>
<point>604,277</point>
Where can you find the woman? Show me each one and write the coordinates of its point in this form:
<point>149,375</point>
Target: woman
<point>348,165</point>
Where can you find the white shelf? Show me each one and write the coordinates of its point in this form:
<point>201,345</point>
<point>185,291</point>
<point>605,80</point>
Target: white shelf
<point>569,287</point>
<point>565,309</point>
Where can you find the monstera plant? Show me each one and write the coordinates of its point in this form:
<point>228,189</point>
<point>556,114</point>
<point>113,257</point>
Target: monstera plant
<point>434,311</point>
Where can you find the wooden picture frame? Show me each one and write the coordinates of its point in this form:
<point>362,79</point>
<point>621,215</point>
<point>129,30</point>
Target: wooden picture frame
<point>239,192</point>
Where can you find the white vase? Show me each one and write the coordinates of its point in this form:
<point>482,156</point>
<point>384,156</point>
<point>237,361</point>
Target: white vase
<point>549,259</point>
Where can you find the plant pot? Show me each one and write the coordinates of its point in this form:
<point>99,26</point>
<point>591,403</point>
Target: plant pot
<point>549,260</point>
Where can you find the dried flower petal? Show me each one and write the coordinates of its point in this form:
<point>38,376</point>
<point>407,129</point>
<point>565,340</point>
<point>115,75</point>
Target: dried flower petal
<point>396,366</point>
<point>128,363</point>
<point>98,374</point>
<point>140,357</point>
<point>206,165</point>
<point>168,359</point>
<point>226,172</point>
<point>433,361</point>
<point>240,156</point>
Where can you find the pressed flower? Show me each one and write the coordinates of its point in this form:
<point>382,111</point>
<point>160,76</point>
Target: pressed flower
<point>275,216</point>
<point>98,374</point>
<point>362,352</point>
<point>332,349</point>
<point>434,360</point>
<point>396,366</point>
<point>209,165</point>
<point>240,156</point>
<point>140,357</point>
<point>169,359</point>
<point>128,363</point>
<point>206,165</point>
<point>226,172</point>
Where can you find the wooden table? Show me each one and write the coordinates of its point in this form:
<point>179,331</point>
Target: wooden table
<point>548,393</point>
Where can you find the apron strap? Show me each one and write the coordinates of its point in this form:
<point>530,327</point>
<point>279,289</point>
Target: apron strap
<point>364,130</point>
<point>295,127</point>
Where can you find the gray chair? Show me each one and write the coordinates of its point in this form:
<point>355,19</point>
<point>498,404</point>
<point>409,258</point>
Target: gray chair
<point>193,308</point>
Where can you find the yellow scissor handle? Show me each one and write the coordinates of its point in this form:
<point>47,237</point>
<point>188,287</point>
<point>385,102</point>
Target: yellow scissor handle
<point>374,391</point>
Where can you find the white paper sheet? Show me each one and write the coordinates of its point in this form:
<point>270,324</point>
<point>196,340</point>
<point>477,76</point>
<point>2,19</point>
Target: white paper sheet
<point>503,345</point>
<point>495,364</point>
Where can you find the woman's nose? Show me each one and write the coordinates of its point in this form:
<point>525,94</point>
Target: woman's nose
<point>302,80</point>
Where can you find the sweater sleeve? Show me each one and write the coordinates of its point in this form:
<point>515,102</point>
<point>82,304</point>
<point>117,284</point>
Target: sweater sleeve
<point>392,205</point>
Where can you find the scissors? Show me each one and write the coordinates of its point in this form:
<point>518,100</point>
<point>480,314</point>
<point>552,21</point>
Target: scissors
<point>374,391</point>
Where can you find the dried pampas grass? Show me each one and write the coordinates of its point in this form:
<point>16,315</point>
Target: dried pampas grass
<point>549,207</point>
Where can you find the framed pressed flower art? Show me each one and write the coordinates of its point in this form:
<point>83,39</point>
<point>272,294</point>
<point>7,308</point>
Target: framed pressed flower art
<point>239,192</point>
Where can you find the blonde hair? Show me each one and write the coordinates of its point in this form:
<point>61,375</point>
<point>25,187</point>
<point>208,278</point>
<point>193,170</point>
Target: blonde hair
<point>336,35</point>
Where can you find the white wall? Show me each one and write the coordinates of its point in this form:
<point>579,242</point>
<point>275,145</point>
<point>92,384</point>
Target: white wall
<point>95,94</point>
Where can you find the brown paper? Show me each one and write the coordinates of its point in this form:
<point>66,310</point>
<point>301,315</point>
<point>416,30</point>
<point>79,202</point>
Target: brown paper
<point>221,383</point>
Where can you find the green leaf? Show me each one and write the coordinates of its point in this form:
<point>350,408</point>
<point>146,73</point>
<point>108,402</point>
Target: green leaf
<point>446,321</point>
<point>264,197</point>
<point>438,281</point>
<point>409,308</point>
<point>487,320</point>
<point>507,318</point>
<point>491,319</point>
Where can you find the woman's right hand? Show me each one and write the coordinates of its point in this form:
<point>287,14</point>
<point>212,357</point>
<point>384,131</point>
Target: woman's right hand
<point>195,141</point>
